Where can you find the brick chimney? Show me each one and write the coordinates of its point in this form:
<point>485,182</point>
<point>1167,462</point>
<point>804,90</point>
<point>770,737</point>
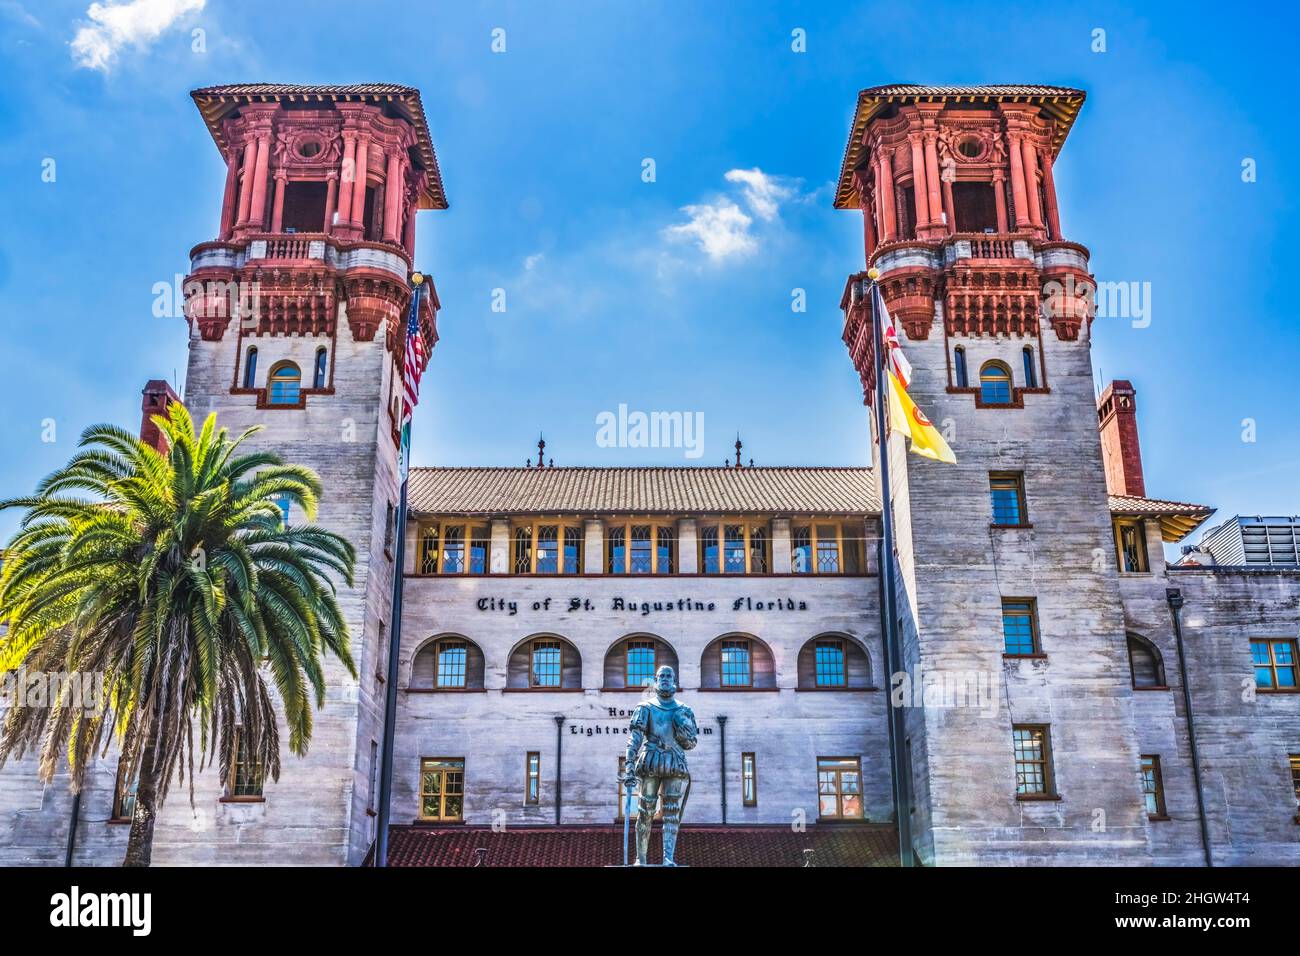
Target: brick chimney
<point>157,396</point>
<point>1117,418</point>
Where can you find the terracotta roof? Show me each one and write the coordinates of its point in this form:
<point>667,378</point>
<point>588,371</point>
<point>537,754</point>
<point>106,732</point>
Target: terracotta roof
<point>849,844</point>
<point>217,102</point>
<point>1178,519</point>
<point>498,491</point>
<point>1060,102</point>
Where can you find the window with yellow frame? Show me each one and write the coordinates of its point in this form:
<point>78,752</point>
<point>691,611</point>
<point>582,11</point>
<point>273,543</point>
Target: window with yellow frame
<point>826,547</point>
<point>1131,545</point>
<point>546,546</point>
<point>735,546</point>
<point>640,546</point>
<point>453,547</point>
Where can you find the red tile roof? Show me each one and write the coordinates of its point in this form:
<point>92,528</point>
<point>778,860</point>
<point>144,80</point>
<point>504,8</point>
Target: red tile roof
<point>1178,519</point>
<point>493,491</point>
<point>847,844</point>
<point>215,103</point>
<point>1060,102</point>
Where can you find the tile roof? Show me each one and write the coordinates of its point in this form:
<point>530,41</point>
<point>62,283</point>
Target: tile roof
<point>848,844</point>
<point>1178,519</point>
<point>498,491</point>
<point>1061,102</point>
<point>215,103</point>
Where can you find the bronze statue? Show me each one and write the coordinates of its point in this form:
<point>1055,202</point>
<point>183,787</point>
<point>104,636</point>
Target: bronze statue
<point>659,734</point>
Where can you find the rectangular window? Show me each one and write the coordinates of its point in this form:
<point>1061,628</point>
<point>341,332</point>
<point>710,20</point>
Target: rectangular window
<point>1295,777</point>
<point>546,664</point>
<point>839,788</point>
<point>1275,664</point>
<point>532,777</point>
<point>757,551</point>
<point>748,780</point>
<point>1007,491</point>
<point>524,550</point>
<point>442,788</point>
<point>1153,788</point>
<point>640,663</point>
<point>709,559</point>
<point>548,549</point>
<point>430,552</point>
<point>829,660</point>
<point>124,795</point>
<point>801,553</point>
<point>1130,539</point>
<point>665,551</point>
<point>616,552</point>
<point>733,558</point>
<point>480,549</point>
<point>1019,627</point>
<point>572,550</point>
<point>453,549</point>
<point>1033,760</point>
<point>828,549</point>
<point>736,664</point>
<point>245,771</point>
<point>452,656</point>
<point>389,524</point>
<point>639,558</point>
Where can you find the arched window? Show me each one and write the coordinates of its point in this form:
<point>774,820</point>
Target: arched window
<point>544,662</point>
<point>1145,664</point>
<point>959,367</point>
<point>250,367</point>
<point>737,662</point>
<point>322,363</point>
<point>448,663</point>
<point>995,384</point>
<point>833,662</point>
<point>1031,376</point>
<point>284,385</point>
<point>630,664</point>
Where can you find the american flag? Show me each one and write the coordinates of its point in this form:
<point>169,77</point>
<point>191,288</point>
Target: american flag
<point>415,353</point>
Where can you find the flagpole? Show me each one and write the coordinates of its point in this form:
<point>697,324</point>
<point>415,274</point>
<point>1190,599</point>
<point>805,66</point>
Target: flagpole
<point>395,628</point>
<point>900,772</point>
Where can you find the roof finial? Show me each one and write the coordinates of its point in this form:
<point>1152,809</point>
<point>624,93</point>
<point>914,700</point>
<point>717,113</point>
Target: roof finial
<point>739,445</point>
<point>541,451</point>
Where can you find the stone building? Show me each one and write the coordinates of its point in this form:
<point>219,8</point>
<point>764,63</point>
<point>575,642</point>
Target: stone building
<point>1044,708</point>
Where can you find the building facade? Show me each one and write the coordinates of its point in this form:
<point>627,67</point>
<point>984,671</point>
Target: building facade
<point>1069,697</point>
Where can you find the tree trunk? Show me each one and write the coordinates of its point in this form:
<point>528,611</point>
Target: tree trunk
<point>139,843</point>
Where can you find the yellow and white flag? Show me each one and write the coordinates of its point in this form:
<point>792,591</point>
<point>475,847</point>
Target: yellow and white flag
<point>907,418</point>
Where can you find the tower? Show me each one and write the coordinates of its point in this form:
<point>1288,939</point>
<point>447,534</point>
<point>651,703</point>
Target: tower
<point>296,314</point>
<point>1005,559</point>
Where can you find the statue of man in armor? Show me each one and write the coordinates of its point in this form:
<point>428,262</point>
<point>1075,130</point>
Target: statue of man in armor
<point>660,733</point>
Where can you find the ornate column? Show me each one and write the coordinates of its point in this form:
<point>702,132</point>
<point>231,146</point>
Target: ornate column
<point>919,188</point>
<point>359,186</point>
<point>408,228</point>
<point>885,199</point>
<point>1031,182</point>
<point>949,209</point>
<point>932,180</point>
<point>257,214</point>
<point>331,198</point>
<point>393,196</point>
<point>277,204</point>
<point>1049,187</point>
<point>229,199</point>
<point>1000,198</point>
<point>347,176</point>
<point>1018,181</point>
<point>246,181</point>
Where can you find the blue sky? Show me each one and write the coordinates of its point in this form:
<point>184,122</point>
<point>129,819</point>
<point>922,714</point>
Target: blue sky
<point>612,293</point>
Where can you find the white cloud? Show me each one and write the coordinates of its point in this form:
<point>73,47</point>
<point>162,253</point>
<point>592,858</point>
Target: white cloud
<point>15,11</point>
<point>763,193</point>
<point>721,229</point>
<point>114,25</point>
<point>530,262</point>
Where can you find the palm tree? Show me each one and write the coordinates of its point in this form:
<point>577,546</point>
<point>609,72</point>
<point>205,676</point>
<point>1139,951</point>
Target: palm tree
<point>174,576</point>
